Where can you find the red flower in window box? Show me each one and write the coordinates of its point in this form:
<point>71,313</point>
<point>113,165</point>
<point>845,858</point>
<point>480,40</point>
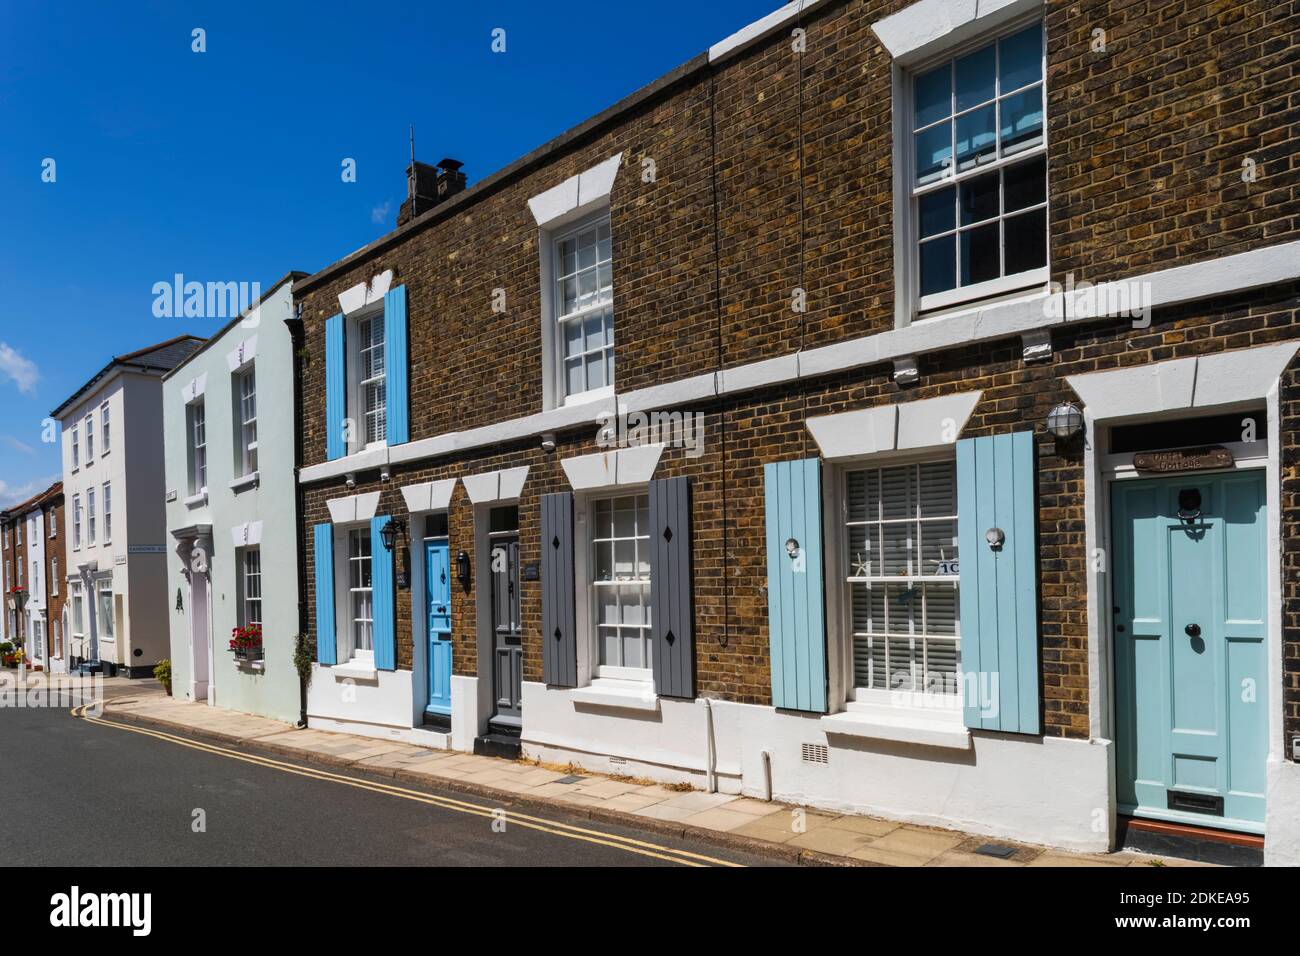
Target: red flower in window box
<point>246,641</point>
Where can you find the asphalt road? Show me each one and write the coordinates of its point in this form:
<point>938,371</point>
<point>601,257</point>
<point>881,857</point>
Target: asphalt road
<point>93,795</point>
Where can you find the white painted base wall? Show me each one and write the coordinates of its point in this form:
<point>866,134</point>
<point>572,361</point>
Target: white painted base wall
<point>468,718</point>
<point>1282,821</point>
<point>1037,790</point>
<point>380,708</point>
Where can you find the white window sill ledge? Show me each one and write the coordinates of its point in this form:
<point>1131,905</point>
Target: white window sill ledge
<point>902,728</point>
<point>197,501</point>
<point>620,694</point>
<point>250,480</point>
<point>352,671</point>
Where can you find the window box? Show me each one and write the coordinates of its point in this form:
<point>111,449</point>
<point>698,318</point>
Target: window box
<point>246,642</point>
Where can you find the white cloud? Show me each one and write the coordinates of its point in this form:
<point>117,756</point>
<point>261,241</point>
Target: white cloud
<point>17,445</point>
<point>22,371</point>
<point>379,215</point>
<point>11,495</point>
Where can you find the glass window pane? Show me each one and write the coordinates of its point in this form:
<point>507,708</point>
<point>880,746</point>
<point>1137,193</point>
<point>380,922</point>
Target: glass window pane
<point>1022,120</point>
<point>937,212</point>
<point>938,544</point>
<point>624,560</point>
<point>603,527</point>
<point>1021,58</point>
<point>595,370</point>
<point>605,561</point>
<point>933,153</point>
<point>609,611</point>
<point>1026,240</point>
<point>573,377</point>
<point>624,519</point>
<point>1024,184</point>
<point>933,96</point>
<point>979,254</point>
<point>938,265</point>
<point>976,137</point>
<point>610,647</point>
<point>632,656</point>
<point>568,257</point>
<point>975,78</point>
<point>897,549</point>
<point>979,199</point>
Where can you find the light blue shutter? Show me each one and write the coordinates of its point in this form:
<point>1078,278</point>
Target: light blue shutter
<point>795,602</point>
<point>999,588</point>
<point>336,377</point>
<point>381,583</point>
<point>326,639</point>
<point>395,366</point>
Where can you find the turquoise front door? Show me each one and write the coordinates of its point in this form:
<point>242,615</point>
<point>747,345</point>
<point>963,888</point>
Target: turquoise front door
<point>437,566</point>
<point>1191,670</point>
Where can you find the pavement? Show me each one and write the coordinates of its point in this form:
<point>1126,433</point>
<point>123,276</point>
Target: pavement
<point>774,831</point>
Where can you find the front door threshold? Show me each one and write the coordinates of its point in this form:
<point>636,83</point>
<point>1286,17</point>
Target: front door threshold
<point>508,746</point>
<point>1187,841</point>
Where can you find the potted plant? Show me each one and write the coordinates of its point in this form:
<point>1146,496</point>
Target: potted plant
<point>7,656</point>
<point>163,674</point>
<point>246,642</point>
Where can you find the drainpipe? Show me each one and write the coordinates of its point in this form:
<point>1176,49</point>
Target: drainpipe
<point>711,745</point>
<point>297,339</point>
<point>767,775</point>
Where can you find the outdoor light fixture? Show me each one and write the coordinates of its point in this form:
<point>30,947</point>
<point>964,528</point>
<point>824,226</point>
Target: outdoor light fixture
<point>462,568</point>
<point>792,547</point>
<point>995,537</point>
<point>1065,420</point>
<point>390,532</point>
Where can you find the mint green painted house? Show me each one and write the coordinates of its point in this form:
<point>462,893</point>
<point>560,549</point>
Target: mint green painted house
<point>228,418</point>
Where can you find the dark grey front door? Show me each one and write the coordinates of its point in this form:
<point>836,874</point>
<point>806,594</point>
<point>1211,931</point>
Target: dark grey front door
<point>507,631</point>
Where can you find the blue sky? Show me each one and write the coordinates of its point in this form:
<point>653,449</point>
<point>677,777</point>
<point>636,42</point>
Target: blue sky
<point>225,165</point>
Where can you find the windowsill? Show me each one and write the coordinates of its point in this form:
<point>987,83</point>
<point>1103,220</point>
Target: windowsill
<point>968,295</point>
<point>594,395</point>
<point>620,694</point>
<point>931,727</point>
<point>197,501</point>
<point>355,669</point>
<point>249,480</point>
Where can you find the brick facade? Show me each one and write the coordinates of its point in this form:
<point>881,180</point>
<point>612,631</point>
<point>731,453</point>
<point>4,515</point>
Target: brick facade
<point>774,173</point>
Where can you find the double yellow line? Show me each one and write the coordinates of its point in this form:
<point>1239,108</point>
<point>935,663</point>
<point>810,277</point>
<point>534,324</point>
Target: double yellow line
<point>512,817</point>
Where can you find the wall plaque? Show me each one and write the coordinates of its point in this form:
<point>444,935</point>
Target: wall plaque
<point>1183,459</point>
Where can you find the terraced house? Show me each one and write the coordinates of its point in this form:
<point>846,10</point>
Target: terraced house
<point>33,594</point>
<point>891,409</point>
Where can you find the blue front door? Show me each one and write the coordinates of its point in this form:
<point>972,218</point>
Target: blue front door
<point>438,600</point>
<point>1191,668</point>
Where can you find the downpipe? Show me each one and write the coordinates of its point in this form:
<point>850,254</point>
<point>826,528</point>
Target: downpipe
<point>711,745</point>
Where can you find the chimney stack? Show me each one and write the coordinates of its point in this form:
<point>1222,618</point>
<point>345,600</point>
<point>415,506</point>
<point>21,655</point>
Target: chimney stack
<point>429,185</point>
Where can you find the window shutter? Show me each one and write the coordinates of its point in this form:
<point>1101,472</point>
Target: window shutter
<point>996,488</point>
<point>396,368</point>
<point>559,630</point>
<point>336,378</point>
<point>795,602</point>
<point>326,639</point>
<point>672,613</point>
<point>381,583</point>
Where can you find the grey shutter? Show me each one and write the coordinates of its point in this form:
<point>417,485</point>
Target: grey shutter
<point>559,631</point>
<point>671,599</point>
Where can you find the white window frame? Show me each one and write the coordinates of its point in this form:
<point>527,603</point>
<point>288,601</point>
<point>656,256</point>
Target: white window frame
<point>250,580</point>
<point>102,588</point>
<point>76,447</point>
<point>76,522</point>
<point>53,523</point>
<point>78,597</point>
<point>593,588</point>
<point>559,320</point>
<point>910,305</point>
<point>357,385</point>
<point>840,569</point>
<point>105,433</point>
<point>54,575</point>
<point>196,425</point>
<point>346,649</point>
<point>106,507</point>
<point>90,517</point>
<point>246,419</point>
<point>90,437</point>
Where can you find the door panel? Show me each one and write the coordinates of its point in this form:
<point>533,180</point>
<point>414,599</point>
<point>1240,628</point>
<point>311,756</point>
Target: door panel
<point>1189,594</point>
<point>438,602</point>
<point>508,658</point>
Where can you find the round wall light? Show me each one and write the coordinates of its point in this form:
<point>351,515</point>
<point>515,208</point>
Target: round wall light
<point>1065,420</point>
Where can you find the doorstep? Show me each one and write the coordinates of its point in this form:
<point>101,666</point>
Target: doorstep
<point>796,834</point>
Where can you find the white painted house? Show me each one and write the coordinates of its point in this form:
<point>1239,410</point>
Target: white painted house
<point>228,414</point>
<point>116,548</point>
